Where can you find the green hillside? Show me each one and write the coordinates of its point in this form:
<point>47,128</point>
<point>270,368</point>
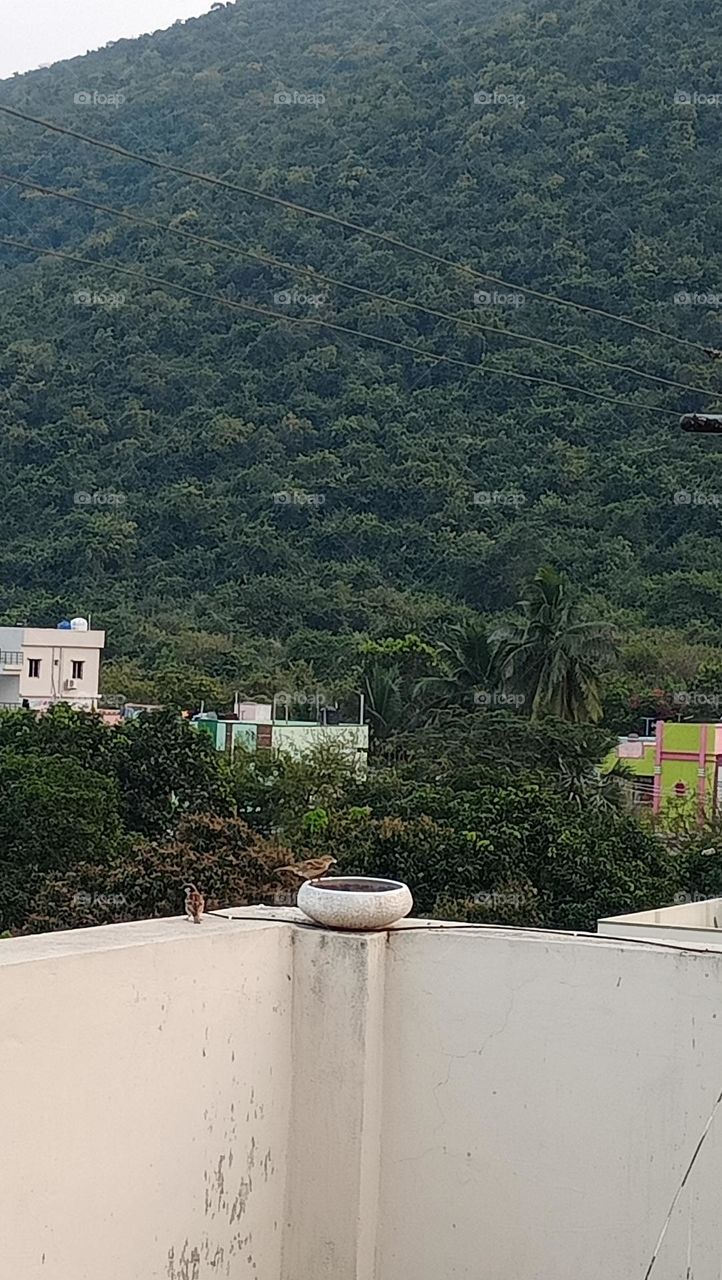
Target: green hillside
<point>146,434</point>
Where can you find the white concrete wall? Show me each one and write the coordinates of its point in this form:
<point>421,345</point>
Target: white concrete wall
<point>9,690</point>
<point>352,739</point>
<point>543,1095</point>
<point>144,1102</point>
<point>691,924</point>
<point>56,651</point>
<point>252,1100</point>
<point>338,1023</point>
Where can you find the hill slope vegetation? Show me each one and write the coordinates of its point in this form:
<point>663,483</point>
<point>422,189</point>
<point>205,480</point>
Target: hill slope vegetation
<point>238,493</point>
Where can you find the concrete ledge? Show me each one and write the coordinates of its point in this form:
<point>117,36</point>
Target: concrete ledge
<point>246,1098</point>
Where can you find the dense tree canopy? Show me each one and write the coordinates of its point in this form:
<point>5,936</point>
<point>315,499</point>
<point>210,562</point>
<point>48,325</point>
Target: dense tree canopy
<point>488,816</point>
<point>239,499</point>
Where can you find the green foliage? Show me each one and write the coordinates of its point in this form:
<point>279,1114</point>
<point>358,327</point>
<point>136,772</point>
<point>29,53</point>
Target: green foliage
<point>278,792</point>
<point>234,865</point>
<point>54,814</point>
<point>521,853</point>
<point>166,768</point>
<point>699,857</point>
<point>442,491</point>
<point>553,658</point>
<point>496,818</point>
<point>157,456</point>
<point>470,669</point>
<point>77,794</point>
<point>63,731</point>
<point>487,816</point>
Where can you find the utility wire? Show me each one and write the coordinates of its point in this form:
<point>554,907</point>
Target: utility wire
<point>316,276</point>
<point>327,324</point>
<point>392,241</point>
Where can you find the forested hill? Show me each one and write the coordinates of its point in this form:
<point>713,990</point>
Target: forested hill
<point>146,434</point>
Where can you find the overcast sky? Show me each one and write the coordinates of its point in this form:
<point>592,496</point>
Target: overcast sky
<point>36,31</point>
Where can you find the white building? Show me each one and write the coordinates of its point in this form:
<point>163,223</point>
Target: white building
<point>45,665</point>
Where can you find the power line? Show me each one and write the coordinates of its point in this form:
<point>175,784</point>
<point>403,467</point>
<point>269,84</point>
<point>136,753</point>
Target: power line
<point>317,276</point>
<point>327,324</point>
<point>356,227</point>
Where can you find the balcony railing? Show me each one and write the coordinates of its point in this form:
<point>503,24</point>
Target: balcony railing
<point>10,658</point>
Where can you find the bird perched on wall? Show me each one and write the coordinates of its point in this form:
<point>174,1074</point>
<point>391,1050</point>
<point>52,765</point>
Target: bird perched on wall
<point>312,869</point>
<point>195,903</point>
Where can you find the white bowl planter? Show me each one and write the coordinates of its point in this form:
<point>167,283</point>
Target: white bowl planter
<point>355,902</point>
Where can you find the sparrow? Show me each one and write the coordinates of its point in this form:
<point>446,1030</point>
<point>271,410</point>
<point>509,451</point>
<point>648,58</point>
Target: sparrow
<point>312,869</point>
<point>195,903</point>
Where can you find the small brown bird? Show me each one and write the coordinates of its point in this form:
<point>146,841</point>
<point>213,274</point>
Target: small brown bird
<point>312,869</point>
<point>195,903</point>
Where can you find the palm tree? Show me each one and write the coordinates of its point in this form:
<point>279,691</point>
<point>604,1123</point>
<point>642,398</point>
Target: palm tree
<point>470,666</point>
<point>385,704</point>
<point>609,791</point>
<point>553,657</point>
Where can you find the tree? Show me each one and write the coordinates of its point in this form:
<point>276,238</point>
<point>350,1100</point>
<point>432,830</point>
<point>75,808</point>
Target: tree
<point>231,864</point>
<point>553,657</point>
<point>386,708</point>
<point>61,731</point>
<point>275,792</point>
<point>469,667</point>
<point>165,769</point>
<point>54,814</point>
<point>520,853</point>
<point>393,670</point>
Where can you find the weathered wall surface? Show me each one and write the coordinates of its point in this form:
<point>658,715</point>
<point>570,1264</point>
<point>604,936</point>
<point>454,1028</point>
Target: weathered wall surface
<point>248,1100</point>
<point>543,1096</point>
<point>332,1189</point>
<point>144,1102</point>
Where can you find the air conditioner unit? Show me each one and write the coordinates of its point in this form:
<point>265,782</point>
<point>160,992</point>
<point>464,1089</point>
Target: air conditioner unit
<point>69,684</point>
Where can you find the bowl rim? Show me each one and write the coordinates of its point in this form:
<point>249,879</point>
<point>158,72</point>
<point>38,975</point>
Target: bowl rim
<point>327,884</point>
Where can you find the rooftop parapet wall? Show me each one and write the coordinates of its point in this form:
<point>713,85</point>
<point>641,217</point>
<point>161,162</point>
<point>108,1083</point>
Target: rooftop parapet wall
<point>250,1099</point>
<point>145,1101</point>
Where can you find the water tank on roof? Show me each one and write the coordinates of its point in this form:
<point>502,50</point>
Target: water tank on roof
<point>64,625</point>
<point>79,624</point>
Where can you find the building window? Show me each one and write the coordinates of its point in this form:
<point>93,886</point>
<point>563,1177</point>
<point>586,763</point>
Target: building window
<point>34,667</point>
<point>77,669</point>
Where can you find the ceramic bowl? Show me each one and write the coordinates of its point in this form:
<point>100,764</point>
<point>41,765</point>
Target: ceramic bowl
<point>355,902</point>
